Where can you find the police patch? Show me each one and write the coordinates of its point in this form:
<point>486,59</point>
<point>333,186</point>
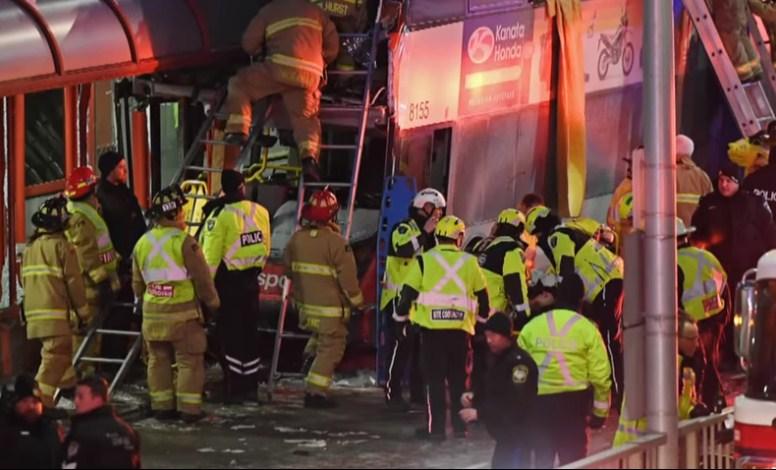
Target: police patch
<point>211,224</point>
<point>252,238</point>
<point>520,374</point>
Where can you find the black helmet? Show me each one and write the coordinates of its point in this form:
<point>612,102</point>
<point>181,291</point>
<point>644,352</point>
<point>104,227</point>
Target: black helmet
<point>52,215</point>
<point>11,394</point>
<point>167,202</point>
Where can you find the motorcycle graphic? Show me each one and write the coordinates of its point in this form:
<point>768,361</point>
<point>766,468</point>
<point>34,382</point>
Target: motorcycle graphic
<point>616,48</point>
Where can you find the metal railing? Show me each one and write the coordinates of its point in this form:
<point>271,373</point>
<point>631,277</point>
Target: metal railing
<point>703,442</point>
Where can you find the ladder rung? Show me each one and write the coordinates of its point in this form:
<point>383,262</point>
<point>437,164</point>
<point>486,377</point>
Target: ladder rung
<point>118,332</point>
<point>205,168</point>
<point>338,147</point>
<point>331,185</point>
<point>348,72</point>
<point>102,360</point>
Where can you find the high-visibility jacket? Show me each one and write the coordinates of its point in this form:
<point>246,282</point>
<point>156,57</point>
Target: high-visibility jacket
<point>172,277</point>
<point>407,241</point>
<point>54,293</point>
<point>323,272</point>
<point>87,231</point>
<point>704,283</point>
<point>594,263</point>
<point>238,235</point>
<point>503,264</point>
<point>571,356</point>
<point>692,183</point>
<point>298,38</point>
<point>447,281</point>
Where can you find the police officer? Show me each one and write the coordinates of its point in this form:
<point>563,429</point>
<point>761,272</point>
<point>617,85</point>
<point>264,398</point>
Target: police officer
<point>702,282</point>
<point>236,243</point>
<point>298,40</point>
<point>445,295</point>
<point>87,231</point>
<point>601,271</point>
<point>572,358</point>
<point>171,275</point>
<point>54,297</point>
<point>98,438</point>
<point>409,239</point>
<point>503,400</point>
<point>322,269</point>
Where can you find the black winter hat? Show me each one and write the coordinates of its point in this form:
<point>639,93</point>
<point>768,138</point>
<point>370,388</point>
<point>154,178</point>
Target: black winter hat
<point>499,323</point>
<point>108,161</point>
<point>231,181</point>
<point>25,387</point>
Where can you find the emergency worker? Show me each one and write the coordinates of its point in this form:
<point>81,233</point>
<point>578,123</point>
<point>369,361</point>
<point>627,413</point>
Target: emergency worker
<point>297,39</point>
<point>445,295</point>
<point>692,183</point>
<point>54,297</point>
<point>171,276</point>
<point>350,17</point>
<point>236,243</point>
<point>322,268</point>
<point>731,17</point>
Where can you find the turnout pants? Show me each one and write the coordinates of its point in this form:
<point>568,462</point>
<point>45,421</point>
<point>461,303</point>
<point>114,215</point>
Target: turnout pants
<point>55,369</point>
<point>261,80</point>
<point>327,344</point>
<point>606,312</point>
<point>445,358</point>
<point>187,352</point>
<point>560,421</point>
<point>403,353</point>
<point>237,325</point>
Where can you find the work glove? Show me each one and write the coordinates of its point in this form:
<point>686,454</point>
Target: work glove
<point>596,422</point>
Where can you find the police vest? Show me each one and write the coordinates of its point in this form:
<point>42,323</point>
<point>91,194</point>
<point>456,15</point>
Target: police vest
<point>396,267</point>
<point>704,282</point>
<point>238,235</point>
<point>159,255</point>
<point>594,264</point>
<point>571,356</point>
<point>445,300</point>
<point>502,257</point>
<point>107,253</point>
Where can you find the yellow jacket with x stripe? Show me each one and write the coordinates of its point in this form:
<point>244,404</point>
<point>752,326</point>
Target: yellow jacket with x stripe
<point>237,235</point>
<point>54,294</point>
<point>323,272</point>
<point>297,37</point>
<point>571,356</point>
<point>702,281</point>
<point>445,290</point>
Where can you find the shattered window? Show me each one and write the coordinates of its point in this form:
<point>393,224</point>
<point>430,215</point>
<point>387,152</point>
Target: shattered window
<point>45,140</point>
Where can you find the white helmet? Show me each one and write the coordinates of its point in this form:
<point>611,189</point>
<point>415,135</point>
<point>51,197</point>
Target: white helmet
<point>681,229</point>
<point>429,196</point>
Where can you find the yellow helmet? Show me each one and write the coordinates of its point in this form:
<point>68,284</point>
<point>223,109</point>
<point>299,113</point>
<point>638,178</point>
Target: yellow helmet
<point>538,212</point>
<point>450,227</point>
<point>511,217</point>
<point>625,207</point>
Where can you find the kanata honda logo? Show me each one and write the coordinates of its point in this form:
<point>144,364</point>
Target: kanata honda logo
<point>481,45</point>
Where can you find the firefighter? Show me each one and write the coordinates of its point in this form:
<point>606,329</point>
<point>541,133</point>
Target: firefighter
<point>445,295</point>
<point>702,282</point>
<point>55,297</point>
<point>408,240</point>
<point>731,17</point>
<point>322,269</point>
<point>601,271</point>
<point>350,17</point>
<point>171,275</point>
<point>236,244</point>
<point>692,183</point>
<point>87,231</point>
<point>621,225</point>
<point>572,358</point>
<point>766,10</point>
<point>298,40</point>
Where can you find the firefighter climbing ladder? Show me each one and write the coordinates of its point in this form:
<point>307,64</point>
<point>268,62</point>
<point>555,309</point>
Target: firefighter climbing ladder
<point>751,102</point>
<point>358,150</point>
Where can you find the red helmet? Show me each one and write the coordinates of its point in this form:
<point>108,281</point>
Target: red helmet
<point>322,207</point>
<point>80,183</point>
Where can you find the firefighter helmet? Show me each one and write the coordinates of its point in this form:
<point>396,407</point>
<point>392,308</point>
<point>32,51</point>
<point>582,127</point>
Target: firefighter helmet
<point>52,214</point>
<point>625,207</point>
<point>681,229</point>
<point>766,266</point>
<point>167,202</point>
<point>322,206</point>
<point>81,183</point>
<point>512,217</point>
<point>429,196</point>
<point>534,216</point>
<point>450,227</point>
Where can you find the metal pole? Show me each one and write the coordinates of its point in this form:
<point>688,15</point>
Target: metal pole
<point>660,212</point>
